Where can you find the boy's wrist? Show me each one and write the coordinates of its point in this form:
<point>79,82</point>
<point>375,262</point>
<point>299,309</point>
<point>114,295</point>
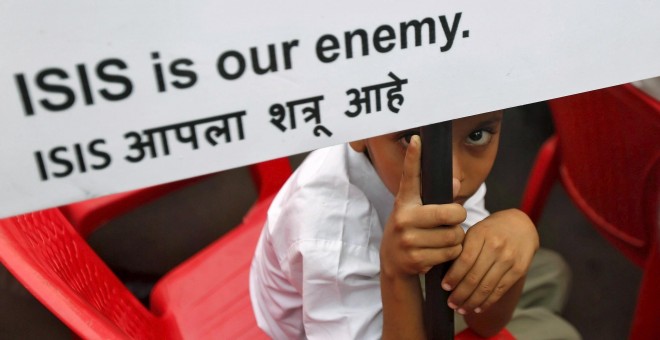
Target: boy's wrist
<point>519,218</point>
<point>402,306</point>
<point>390,272</point>
<point>400,285</point>
<point>398,277</point>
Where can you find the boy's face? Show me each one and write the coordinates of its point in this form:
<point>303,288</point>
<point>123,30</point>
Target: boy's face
<point>474,147</point>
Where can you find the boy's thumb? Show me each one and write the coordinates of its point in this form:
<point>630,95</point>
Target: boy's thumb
<point>456,184</point>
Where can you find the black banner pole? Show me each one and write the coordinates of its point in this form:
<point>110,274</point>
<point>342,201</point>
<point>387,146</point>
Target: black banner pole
<point>437,189</point>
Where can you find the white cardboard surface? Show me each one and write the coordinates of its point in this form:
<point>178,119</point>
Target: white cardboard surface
<point>74,142</point>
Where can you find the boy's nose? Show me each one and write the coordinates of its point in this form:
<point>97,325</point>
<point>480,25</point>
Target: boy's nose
<point>456,186</point>
<point>457,169</point>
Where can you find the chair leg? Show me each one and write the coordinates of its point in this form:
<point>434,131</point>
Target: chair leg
<point>645,322</point>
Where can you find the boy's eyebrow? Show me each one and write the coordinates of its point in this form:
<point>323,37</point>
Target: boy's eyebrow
<point>490,121</point>
<point>487,122</point>
<point>413,130</point>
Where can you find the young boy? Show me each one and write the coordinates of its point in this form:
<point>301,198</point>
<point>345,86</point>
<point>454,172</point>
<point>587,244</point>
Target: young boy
<point>347,237</point>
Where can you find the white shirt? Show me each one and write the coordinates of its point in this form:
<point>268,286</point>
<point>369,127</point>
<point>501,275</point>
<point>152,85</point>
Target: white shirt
<point>315,273</point>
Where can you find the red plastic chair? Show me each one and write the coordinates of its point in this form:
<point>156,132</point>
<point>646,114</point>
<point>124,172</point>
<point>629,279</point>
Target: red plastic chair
<point>88,215</point>
<point>606,154</point>
<point>468,334</point>
<point>204,297</point>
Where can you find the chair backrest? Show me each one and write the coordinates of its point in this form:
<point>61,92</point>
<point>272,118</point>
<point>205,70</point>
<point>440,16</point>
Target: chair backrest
<point>47,255</point>
<point>609,146</point>
<point>53,261</point>
<point>87,215</point>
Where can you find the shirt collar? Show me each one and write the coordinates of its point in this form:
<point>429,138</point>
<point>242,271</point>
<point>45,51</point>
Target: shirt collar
<point>363,175</point>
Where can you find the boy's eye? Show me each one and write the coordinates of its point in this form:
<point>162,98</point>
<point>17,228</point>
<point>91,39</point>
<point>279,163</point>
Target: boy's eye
<point>479,137</point>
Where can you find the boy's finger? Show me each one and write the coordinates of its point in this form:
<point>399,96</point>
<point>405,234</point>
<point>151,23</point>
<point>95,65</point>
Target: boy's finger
<point>434,238</point>
<point>470,281</point>
<point>463,264</point>
<point>436,215</point>
<point>426,258</point>
<point>411,177</point>
<point>489,285</point>
<point>503,286</point>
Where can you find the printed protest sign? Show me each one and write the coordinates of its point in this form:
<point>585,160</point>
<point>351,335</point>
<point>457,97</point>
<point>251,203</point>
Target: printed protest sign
<point>98,98</point>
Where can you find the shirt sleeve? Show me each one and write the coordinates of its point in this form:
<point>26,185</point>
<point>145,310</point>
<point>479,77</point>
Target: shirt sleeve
<point>340,289</point>
<point>334,265</point>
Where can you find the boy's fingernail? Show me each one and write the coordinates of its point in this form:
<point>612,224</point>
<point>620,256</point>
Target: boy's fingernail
<point>451,305</point>
<point>446,286</point>
<point>461,311</point>
<point>477,310</point>
<point>415,139</point>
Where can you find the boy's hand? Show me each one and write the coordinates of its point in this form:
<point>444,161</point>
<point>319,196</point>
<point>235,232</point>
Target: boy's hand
<point>496,254</point>
<point>416,236</point>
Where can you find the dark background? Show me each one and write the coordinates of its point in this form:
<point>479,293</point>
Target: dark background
<point>143,245</point>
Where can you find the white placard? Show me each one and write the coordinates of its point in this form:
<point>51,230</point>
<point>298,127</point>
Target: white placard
<point>103,97</point>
